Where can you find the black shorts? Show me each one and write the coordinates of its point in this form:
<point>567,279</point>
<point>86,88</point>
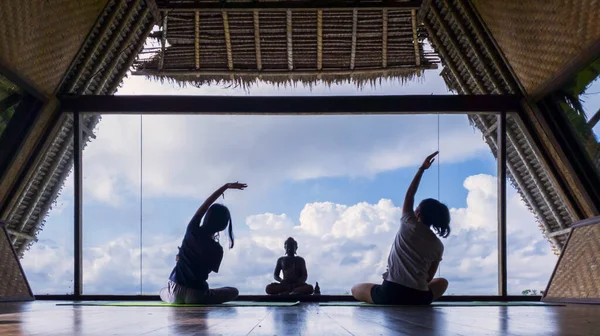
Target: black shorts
<point>396,294</point>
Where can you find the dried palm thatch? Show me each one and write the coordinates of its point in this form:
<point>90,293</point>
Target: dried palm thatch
<point>201,43</point>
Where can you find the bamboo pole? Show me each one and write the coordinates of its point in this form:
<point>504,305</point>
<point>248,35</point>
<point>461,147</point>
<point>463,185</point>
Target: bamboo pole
<point>163,42</point>
<point>353,48</point>
<point>227,40</point>
<point>256,20</point>
<point>413,16</point>
<point>384,38</point>
<point>320,39</point>
<point>197,39</point>
<point>342,71</point>
<point>290,49</point>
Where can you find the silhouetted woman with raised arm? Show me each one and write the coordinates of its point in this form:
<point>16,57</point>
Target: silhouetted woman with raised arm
<point>200,253</point>
<point>415,254</point>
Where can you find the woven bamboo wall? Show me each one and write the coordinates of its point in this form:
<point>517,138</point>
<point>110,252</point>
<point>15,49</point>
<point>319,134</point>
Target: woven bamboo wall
<point>39,39</point>
<point>13,284</point>
<point>577,274</point>
<point>540,37</point>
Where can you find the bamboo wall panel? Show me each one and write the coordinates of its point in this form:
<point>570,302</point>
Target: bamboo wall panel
<point>540,38</point>
<point>577,275</point>
<point>13,283</point>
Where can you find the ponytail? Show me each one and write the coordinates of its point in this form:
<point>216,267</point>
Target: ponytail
<point>230,231</point>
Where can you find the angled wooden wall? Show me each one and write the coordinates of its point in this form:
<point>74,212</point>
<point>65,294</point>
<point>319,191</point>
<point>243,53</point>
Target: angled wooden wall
<point>13,283</point>
<point>576,277</point>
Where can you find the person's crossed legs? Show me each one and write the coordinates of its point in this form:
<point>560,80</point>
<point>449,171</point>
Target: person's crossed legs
<point>178,294</point>
<point>362,291</point>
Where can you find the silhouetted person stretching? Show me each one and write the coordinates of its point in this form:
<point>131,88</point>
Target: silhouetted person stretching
<point>294,273</point>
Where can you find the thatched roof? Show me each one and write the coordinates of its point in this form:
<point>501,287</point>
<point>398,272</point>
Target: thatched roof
<point>472,66</point>
<point>102,63</point>
<point>287,41</point>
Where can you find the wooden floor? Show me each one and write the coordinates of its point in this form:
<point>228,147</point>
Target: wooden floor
<point>45,318</point>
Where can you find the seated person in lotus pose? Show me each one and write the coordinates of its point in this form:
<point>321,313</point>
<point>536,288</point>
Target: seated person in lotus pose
<point>294,273</point>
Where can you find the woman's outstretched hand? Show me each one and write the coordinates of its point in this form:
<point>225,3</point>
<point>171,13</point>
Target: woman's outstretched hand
<point>429,160</point>
<point>236,185</point>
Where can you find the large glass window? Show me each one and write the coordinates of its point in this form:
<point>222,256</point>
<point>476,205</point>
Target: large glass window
<point>111,206</point>
<point>334,183</point>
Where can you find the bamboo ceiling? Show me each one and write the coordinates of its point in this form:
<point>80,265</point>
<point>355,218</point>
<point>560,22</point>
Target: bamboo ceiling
<point>282,41</point>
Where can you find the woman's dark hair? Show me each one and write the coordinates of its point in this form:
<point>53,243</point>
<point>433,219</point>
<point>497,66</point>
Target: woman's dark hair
<point>435,214</point>
<point>216,220</point>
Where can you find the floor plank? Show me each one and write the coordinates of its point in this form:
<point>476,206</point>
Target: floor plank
<point>45,318</point>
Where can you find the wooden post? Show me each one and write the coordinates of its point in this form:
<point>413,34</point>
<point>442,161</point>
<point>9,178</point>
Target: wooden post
<point>78,206</point>
<point>501,154</point>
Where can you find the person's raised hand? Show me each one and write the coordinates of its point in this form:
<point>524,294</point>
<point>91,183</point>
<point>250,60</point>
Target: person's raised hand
<point>429,160</point>
<point>236,185</point>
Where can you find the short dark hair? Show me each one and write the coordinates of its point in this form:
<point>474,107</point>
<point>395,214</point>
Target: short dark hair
<point>435,214</point>
<point>217,218</point>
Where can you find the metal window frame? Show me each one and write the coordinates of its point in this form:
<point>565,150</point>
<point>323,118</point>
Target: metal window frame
<point>276,106</point>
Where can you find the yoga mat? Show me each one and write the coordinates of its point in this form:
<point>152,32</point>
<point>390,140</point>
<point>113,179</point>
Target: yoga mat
<point>162,304</point>
<point>446,304</point>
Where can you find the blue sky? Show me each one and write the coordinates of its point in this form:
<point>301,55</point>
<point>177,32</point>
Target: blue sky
<point>335,183</point>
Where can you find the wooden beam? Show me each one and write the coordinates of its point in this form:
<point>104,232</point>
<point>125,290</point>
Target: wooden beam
<point>353,46</point>
<point>227,39</point>
<point>273,6</point>
<point>320,39</point>
<point>282,73</point>
<point>18,234</point>
<point>384,38</point>
<point>290,48</point>
<point>257,40</point>
<point>163,43</point>
<point>315,105</point>
<point>197,39</point>
<point>559,233</point>
<point>413,16</point>
<point>501,207</point>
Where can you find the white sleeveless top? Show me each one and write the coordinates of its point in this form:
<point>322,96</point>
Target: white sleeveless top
<point>414,249</point>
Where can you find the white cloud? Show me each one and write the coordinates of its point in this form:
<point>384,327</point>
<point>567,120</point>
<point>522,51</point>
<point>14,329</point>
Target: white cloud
<point>342,245</point>
<point>188,156</point>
